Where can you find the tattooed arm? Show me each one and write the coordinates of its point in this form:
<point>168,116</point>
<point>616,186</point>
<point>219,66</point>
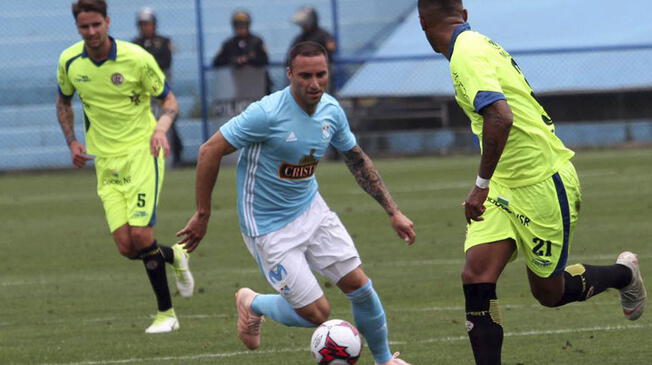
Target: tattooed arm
<point>368,177</point>
<point>159,140</point>
<point>66,119</point>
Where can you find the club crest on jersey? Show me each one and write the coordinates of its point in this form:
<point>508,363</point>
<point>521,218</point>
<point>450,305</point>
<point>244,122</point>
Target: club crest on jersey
<point>303,170</point>
<point>326,130</point>
<point>117,79</point>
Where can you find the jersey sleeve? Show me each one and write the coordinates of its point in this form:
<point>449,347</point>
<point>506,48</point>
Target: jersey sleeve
<point>250,126</point>
<point>343,139</point>
<point>66,88</point>
<point>152,78</point>
<point>474,77</point>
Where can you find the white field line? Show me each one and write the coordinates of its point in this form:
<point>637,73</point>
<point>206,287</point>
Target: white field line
<point>435,262</point>
<point>302,349</point>
<point>334,313</point>
<point>533,333</point>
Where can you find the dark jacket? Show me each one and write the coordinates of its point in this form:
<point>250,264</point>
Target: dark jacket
<point>160,47</point>
<point>317,35</point>
<point>251,46</point>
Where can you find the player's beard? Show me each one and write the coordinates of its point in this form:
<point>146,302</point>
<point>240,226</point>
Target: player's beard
<point>314,98</point>
<point>95,43</point>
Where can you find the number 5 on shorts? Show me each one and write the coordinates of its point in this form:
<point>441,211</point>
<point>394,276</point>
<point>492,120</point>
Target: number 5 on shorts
<point>141,200</point>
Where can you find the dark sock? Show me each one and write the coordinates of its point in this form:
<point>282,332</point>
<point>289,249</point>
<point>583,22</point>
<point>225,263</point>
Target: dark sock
<point>584,281</point>
<point>168,254</point>
<point>155,267</point>
<point>483,322</point>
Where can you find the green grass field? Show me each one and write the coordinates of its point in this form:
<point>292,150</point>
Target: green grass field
<point>67,297</point>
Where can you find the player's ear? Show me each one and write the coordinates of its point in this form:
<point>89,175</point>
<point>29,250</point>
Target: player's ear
<point>465,15</point>
<point>289,72</point>
<point>108,21</point>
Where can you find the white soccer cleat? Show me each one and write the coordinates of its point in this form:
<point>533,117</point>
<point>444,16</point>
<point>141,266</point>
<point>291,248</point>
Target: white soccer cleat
<point>634,295</point>
<point>248,324</point>
<point>182,274</point>
<point>164,322</point>
<point>395,360</point>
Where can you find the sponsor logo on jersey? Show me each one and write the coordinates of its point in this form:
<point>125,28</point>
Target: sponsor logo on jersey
<point>305,169</point>
<point>82,78</point>
<point>117,79</point>
<point>139,214</point>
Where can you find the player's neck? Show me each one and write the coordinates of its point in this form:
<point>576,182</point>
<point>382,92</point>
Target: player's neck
<point>101,53</point>
<point>309,109</point>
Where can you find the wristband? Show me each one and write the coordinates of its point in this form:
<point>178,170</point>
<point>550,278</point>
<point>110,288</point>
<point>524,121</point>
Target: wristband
<point>482,183</point>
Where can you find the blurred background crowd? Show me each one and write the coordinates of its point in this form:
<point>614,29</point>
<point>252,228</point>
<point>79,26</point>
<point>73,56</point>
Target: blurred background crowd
<point>588,65</point>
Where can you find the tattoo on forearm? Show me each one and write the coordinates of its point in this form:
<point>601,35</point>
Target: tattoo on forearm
<point>368,177</point>
<point>66,119</point>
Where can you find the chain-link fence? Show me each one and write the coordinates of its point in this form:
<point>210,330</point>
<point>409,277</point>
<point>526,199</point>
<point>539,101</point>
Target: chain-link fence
<point>398,94</point>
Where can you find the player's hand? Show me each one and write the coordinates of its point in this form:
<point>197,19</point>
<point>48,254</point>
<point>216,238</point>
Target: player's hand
<point>159,140</point>
<point>192,234</point>
<point>404,227</point>
<point>78,154</point>
<point>474,204</point>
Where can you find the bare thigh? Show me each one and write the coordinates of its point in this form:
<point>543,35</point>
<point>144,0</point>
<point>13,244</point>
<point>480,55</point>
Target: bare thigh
<point>484,263</point>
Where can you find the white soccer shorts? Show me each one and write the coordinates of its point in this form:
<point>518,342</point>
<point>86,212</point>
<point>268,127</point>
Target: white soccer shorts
<point>316,240</point>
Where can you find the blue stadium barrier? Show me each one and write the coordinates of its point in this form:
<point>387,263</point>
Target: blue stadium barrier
<point>48,150</point>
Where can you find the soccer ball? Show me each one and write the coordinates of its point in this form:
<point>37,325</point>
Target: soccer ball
<point>336,342</point>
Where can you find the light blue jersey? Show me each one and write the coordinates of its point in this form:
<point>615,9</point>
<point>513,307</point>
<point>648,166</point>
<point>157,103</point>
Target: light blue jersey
<point>281,147</point>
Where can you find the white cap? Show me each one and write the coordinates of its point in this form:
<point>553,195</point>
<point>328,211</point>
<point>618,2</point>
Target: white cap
<point>146,15</point>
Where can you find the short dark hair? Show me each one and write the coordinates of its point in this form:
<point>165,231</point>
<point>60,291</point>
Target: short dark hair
<point>306,49</point>
<point>98,6</point>
<point>448,6</point>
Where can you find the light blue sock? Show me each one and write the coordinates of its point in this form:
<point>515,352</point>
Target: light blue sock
<point>370,318</point>
<point>277,308</point>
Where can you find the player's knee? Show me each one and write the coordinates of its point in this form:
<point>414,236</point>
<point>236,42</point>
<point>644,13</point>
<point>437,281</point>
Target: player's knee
<point>140,238</point>
<point>318,316</point>
<point>546,298</point>
<point>127,251</point>
<point>470,275</point>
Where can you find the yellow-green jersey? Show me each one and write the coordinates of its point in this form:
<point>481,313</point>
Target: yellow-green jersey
<point>483,73</point>
<point>115,94</point>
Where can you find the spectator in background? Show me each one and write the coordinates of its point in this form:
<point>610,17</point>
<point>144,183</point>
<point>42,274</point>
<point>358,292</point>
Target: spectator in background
<point>244,48</point>
<point>161,48</point>
<point>308,20</point>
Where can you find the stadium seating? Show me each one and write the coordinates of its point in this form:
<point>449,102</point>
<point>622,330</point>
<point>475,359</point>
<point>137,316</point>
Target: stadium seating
<point>555,54</point>
<point>29,133</point>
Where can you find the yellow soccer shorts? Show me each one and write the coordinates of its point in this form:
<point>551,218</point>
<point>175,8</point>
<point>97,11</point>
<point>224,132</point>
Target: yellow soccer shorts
<point>540,218</point>
<point>129,187</point>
